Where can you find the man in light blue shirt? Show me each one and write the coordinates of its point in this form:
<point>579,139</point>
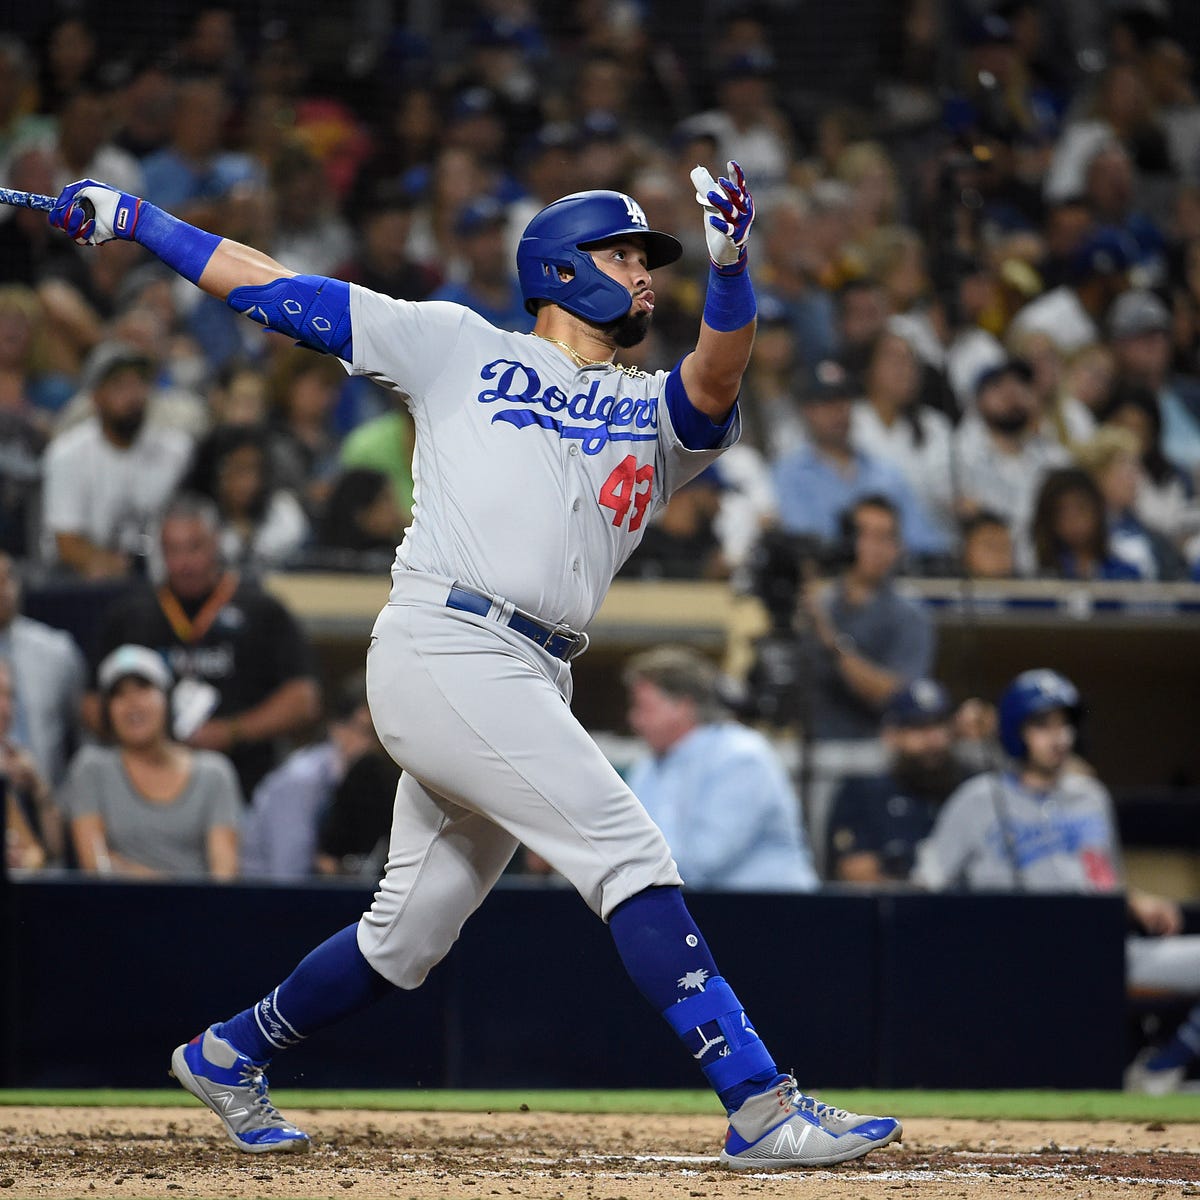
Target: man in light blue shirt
<point>717,790</point>
<point>818,481</point>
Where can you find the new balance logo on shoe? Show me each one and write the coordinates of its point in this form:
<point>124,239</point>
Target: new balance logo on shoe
<point>227,1100</point>
<point>791,1139</point>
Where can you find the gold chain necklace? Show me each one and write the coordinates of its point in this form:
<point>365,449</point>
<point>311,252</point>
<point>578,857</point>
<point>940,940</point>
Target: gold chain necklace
<point>581,360</point>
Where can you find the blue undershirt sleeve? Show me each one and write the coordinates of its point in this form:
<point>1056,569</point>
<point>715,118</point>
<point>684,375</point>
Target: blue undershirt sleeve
<point>695,430</point>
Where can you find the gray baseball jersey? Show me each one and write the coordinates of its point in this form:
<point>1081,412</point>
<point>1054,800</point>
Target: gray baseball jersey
<point>533,478</point>
<point>994,833</point>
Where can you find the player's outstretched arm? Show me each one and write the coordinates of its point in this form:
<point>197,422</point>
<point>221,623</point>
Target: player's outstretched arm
<point>310,308</point>
<point>712,373</point>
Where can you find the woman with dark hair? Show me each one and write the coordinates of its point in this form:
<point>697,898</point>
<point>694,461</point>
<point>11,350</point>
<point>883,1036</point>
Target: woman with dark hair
<point>1070,530</point>
<point>148,805</point>
<point>262,526</point>
<point>892,422</point>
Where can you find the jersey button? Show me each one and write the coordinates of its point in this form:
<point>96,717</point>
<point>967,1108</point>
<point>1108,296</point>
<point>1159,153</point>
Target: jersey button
<point>575,506</point>
<point>573,451</point>
<point>575,565</point>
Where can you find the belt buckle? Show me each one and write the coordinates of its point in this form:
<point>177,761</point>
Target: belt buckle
<point>578,640</point>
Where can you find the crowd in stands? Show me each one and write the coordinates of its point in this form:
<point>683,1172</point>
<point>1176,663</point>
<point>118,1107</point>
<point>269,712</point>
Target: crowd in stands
<point>978,354</point>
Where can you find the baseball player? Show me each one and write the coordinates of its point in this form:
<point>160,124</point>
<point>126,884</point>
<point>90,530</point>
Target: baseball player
<point>538,463</point>
<point>1044,827</point>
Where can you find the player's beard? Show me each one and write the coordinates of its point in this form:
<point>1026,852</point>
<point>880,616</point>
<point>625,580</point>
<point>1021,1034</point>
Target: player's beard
<point>630,330</point>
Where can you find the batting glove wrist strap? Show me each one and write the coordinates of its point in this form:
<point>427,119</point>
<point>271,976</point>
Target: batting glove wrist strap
<point>729,303</point>
<point>183,247</point>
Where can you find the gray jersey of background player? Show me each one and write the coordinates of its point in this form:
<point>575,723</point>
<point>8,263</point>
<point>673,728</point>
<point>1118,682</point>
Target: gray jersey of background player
<point>537,463</point>
<point>1044,826</point>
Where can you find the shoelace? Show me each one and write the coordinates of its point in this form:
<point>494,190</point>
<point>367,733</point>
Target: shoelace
<point>790,1091</point>
<point>256,1080</point>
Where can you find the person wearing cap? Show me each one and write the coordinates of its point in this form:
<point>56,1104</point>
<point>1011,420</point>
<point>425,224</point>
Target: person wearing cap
<point>107,480</point>
<point>1001,454</point>
<point>1039,821</point>
<point>819,480</point>
<point>877,820</point>
<point>716,789</point>
<point>144,805</point>
<point>489,286</point>
<point>1071,314</point>
<point>218,629</point>
<point>1139,330</point>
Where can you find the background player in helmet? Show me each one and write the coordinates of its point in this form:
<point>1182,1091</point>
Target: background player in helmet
<point>537,463</point>
<point>1042,826</point>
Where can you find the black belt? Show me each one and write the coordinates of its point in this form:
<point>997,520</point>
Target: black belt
<point>559,640</point>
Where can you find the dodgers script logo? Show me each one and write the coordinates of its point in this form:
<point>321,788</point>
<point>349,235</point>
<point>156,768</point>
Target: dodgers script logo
<point>608,418</point>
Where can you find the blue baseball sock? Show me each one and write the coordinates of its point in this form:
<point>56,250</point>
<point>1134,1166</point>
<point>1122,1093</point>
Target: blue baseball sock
<point>1182,1048</point>
<point>670,962</point>
<point>331,982</point>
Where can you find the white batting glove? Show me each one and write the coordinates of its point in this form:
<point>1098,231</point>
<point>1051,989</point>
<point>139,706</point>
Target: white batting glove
<point>728,213</point>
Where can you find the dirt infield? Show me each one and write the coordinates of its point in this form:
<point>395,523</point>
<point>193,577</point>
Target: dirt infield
<point>179,1152</point>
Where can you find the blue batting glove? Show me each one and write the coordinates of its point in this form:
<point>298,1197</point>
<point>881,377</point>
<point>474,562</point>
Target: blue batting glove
<point>114,213</point>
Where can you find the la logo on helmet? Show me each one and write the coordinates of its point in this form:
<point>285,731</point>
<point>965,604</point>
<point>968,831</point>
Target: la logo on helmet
<point>634,209</point>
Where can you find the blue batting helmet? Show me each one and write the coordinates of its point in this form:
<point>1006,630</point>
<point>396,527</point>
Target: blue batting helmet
<point>558,238</point>
<point>1032,693</point>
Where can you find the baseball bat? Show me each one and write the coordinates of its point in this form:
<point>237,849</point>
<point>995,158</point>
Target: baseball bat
<point>41,203</point>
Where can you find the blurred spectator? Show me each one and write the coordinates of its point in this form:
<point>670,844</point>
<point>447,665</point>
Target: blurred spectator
<point>146,805</point>
<point>680,541</point>
<point>1113,461</point>
<point>1061,417</point>
<point>1071,314</point>
<point>1045,826</point>
<point>866,639</point>
<point>67,57</point>
<point>987,547</point>
<point>716,789</point>
<point>1000,454</point>
<point>819,480</point>
<point>143,106</point>
<point>489,285</point>
<point>545,163</point>
<point>304,390</point>
<point>194,175</point>
<point>1166,498</point>
<point>32,825</point>
<point>1070,530</point>
<point>82,148</point>
<point>47,677</point>
<point>310,234</point>
<point>770,418</point>
<point>361,526</point>
<point>239,649</point>
<point>1088,379</point>
<point>1139,329</point>
<point>263,526</point>
<point>107,480</point>
<point>353,833</point>
<point>18,126</point>
<point>384,444</point>
<point>382,261</point>
<point>893,424</point>
<point>862,316</point>
<point>747,122</point>
<point>279,833</point>
<point>238,395</point>
<point>877,820</point>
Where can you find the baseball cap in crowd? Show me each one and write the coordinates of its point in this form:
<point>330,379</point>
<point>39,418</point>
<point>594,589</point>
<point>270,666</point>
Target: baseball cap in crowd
<point>1016,367</point>
<point>138,661</point>
<point>108,358</point>
<point>922,702</point>
<point>554,137</point>
<point>1137,312</point>
<point>484,212</point>
<point>829,380</point>
<point>1105,251</point>
<point>754,63</point>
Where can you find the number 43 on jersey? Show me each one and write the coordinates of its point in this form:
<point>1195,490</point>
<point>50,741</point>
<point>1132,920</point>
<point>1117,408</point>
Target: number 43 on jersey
<point>629,486</point>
